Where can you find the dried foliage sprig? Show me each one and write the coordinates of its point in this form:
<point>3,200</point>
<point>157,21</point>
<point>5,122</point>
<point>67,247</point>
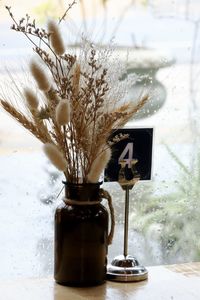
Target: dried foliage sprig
<point>78,102</point>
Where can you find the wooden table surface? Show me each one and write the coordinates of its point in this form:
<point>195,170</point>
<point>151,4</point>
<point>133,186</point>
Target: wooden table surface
<point>174,282</point>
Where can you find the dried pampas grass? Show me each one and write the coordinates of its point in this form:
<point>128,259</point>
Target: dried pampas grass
<point>31,99</point>
<point>55,38</point>
<point>98,165</point>
<point>40,76</point>
<point>63,112</point>
<point>76,79</point>
<point>55,156</point>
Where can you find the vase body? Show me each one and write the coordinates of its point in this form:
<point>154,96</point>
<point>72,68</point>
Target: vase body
<point>81,237</point>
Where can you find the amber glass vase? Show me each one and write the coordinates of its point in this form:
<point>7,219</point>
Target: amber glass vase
<point>81,230</point>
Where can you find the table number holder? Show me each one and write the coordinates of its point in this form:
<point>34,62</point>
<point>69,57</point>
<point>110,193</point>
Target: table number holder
<point>126,268</point>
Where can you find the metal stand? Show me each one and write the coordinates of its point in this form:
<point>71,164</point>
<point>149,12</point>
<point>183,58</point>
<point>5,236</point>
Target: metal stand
<point>126,268</point>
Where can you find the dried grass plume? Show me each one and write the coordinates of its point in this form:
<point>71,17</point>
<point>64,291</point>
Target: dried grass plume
<point>40,76</point>
<point>55,156</point>
<point>31,98</point>
<point>55,38</point>
<point>63,112</point>
<point>99,165</point>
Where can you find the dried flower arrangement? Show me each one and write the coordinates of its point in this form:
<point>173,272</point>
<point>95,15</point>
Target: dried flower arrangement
<point>78,102</point>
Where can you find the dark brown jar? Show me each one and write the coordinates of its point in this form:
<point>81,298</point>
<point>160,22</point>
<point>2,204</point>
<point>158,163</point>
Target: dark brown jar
<point>81,231</point>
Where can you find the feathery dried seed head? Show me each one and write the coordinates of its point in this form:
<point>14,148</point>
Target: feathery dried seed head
<point>31,98</point>
<point>55,38</point>
<point>55,156</point>
<point>99,165</point>
<point>63,112</point>
<point>40,77</point>
<point>76,79</point>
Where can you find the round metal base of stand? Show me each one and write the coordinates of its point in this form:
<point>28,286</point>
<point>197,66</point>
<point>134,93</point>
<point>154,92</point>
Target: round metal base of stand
<point>126,269</point>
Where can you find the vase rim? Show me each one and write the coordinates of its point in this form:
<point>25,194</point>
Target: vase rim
<point>82,184</point>
<point>82,191</point>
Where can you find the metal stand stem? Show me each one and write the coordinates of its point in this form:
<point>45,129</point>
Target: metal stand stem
<point>126,268</point>
<point>126,219</point>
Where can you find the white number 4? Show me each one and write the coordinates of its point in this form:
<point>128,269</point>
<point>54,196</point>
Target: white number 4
<point>127,150</point>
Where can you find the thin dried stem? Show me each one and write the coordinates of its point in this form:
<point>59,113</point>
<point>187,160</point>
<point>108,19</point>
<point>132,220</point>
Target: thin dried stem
<point>67,10</point>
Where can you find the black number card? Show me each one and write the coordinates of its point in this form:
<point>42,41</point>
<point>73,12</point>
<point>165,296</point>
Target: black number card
<point>133,154</point>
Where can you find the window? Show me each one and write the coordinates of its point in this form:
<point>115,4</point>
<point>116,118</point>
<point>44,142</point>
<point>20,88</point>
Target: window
<point>164,212</point>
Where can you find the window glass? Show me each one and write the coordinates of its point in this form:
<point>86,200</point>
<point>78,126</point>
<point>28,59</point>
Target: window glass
<point>163,42</point>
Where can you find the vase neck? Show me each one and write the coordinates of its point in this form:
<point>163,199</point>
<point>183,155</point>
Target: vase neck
<point>82,192</point>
